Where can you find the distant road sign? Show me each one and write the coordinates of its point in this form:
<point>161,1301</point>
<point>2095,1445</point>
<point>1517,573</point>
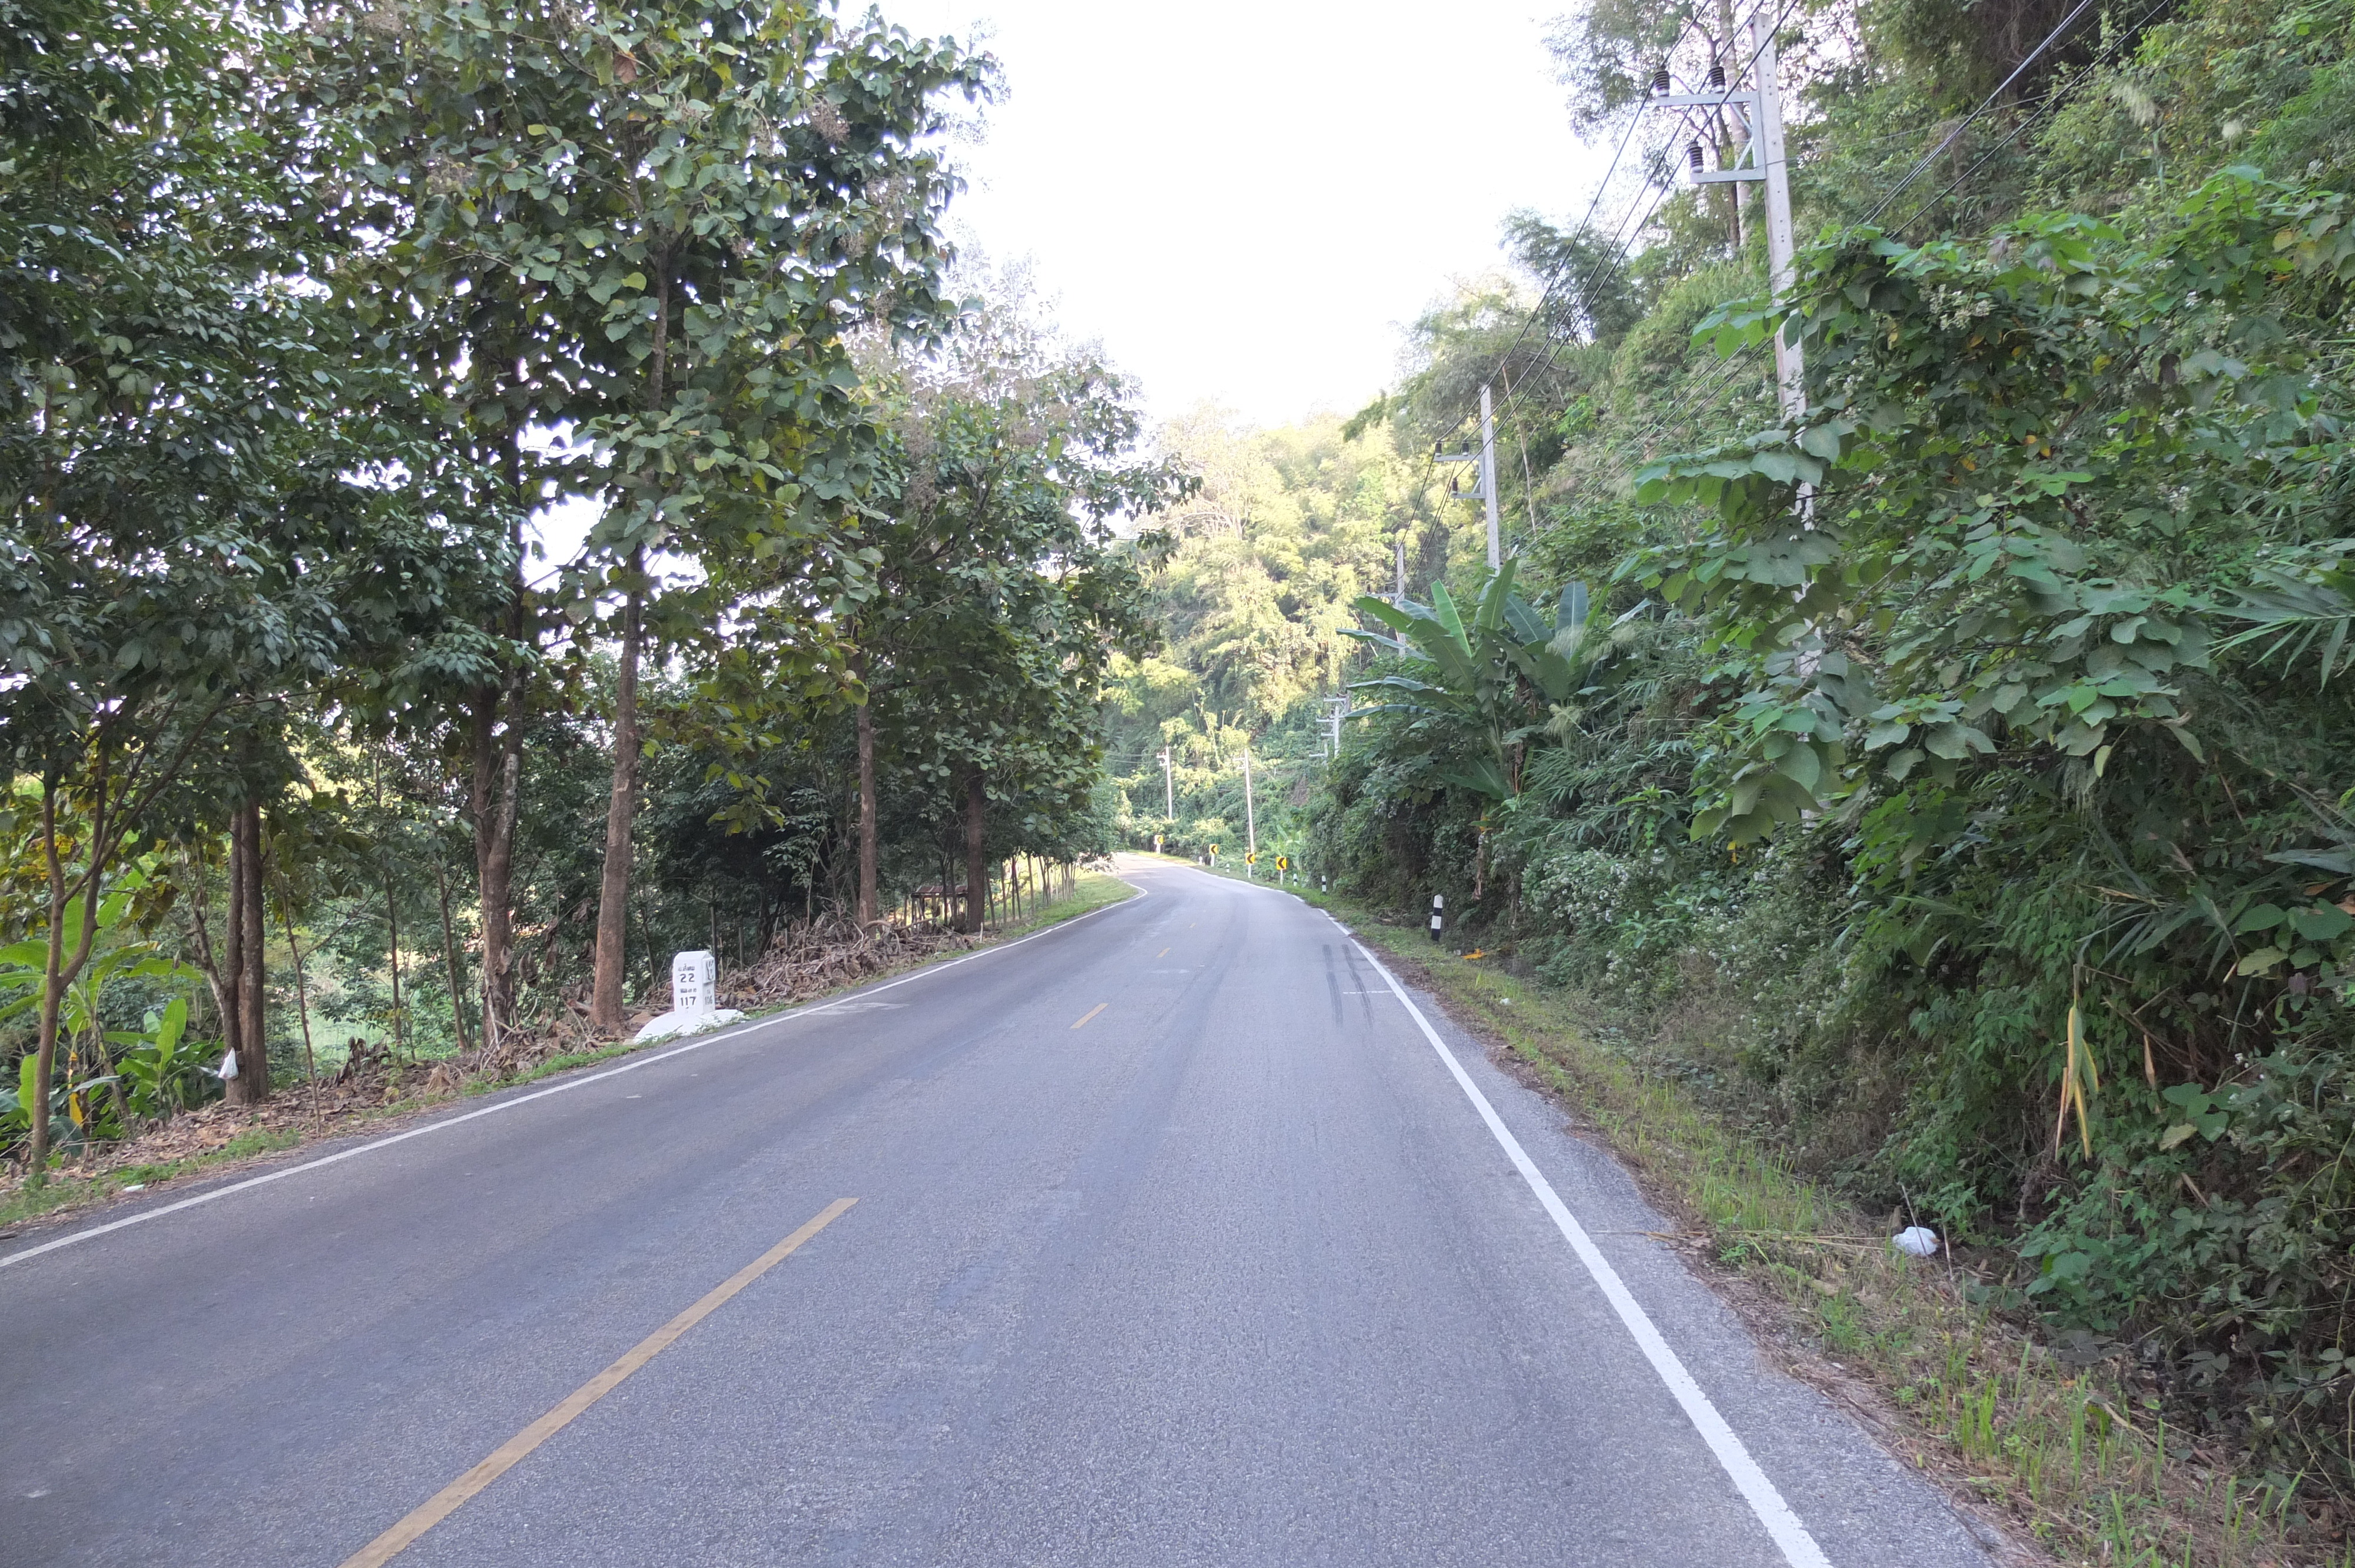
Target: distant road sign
<point>1251,857</point>
<point>1283,863</point>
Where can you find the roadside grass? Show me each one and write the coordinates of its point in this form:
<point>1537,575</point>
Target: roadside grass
<point>65,1192</point>
<point>2076,1458</point>
<point>1090,890</point>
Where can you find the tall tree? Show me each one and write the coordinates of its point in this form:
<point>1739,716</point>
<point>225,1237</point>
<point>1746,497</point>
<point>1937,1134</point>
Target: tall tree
<point>647,225</point>
<point>1003,589</point>
<point>204,510</point>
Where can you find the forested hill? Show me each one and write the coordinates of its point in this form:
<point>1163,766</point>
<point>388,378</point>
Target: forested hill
<point>1265,562</point>
<point>1950,783</point>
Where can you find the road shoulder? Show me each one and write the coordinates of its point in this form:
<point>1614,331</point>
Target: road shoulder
<point>284,1134</point>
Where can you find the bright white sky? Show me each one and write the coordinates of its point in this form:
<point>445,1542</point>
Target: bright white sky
<point>1246,202</point>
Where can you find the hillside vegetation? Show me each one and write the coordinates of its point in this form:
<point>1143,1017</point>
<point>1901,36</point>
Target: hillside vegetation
<point>1949,785</point>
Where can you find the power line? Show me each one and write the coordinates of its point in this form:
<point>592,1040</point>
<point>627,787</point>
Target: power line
<point>1749,69</point>
<point>1537,310</point>
<point>1716,383</point>
<point>1605,265</point>
<point>2051,101</point>
<point>1948,140</point>
<point>1602,269</point>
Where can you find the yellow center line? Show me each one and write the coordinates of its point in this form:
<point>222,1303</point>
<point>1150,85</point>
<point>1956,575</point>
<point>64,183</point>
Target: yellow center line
<point>450,1498</point>
<point>1162,954</point>
<point>1092,1013</point>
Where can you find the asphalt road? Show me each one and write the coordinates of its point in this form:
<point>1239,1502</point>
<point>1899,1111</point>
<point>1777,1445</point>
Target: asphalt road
<point>1232,1271</point>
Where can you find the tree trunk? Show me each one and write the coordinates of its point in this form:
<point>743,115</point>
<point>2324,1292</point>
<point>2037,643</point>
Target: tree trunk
<point>977,872</point>
<point>208,961</point>
<point>302,1002</point>
<point>450,958</point>
<point>613,889</point>
<point>233,959</point>
<point>865,798</point>
<point>53,990</point>
<point>496,787</point>
<point>392,940</point>
<point>248,961</point>
<point>614,886</point>
<point>58,970</point>
<point>497,778</point>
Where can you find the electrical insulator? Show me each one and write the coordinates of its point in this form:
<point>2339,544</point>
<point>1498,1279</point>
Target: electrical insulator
<point>1692,155</point>
<point>1716,75</point>
<point>1450,487</point>
<point>1660,82</point>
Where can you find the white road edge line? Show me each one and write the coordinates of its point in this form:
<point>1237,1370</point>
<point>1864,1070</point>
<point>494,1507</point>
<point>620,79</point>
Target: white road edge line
<point>1798,1548</point>
<point>631,1067</point>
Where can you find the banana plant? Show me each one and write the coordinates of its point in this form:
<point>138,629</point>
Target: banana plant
<point>23,966</point>
<point>16,1109</point>
<point>1462,682</point>
<point>164,1069</point>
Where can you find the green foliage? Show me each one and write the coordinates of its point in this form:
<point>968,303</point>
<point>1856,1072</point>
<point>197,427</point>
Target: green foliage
<point>1968,813</point>
<point>1000,595</point>
<point>1254,596</point>
<point>1463,681</point>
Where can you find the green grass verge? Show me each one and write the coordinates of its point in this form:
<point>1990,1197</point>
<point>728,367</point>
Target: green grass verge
<point>66,1192</point>
<point>2079,1460</point>
<point>1090,890</point>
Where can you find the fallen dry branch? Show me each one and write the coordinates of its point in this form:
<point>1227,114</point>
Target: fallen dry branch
<point>810,960</point>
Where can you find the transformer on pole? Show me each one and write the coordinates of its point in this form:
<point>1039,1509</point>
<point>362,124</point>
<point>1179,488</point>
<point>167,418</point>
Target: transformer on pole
<point>1486,457</point>
<point>1757,108</point>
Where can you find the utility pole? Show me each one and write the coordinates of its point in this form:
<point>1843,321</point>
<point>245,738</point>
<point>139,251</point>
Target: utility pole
<point>1486,457</point>
<point>1402,567</point>
<point>1168,787</point>
<point>1336,710</point>
<point>1250,818</point>
<point>1488,477</point>
<point>1790,370</point>
<point>1758,110</point>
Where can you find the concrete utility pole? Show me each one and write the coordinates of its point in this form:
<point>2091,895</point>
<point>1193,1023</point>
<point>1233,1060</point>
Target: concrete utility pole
<point>1168,787</point>
<point>1488,477</point>
<point>1336,710</point>
<point>1250,819</point>
<point>1402,567</point>
<point>1486,457</point>
<point>1758,109</point>
<point>1790,370</point>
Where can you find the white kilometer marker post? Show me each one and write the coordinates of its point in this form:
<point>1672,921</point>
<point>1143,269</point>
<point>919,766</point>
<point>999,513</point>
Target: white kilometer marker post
<point>694,1000</point>
<point>1798,1548</point>
<point>1438,917</point>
